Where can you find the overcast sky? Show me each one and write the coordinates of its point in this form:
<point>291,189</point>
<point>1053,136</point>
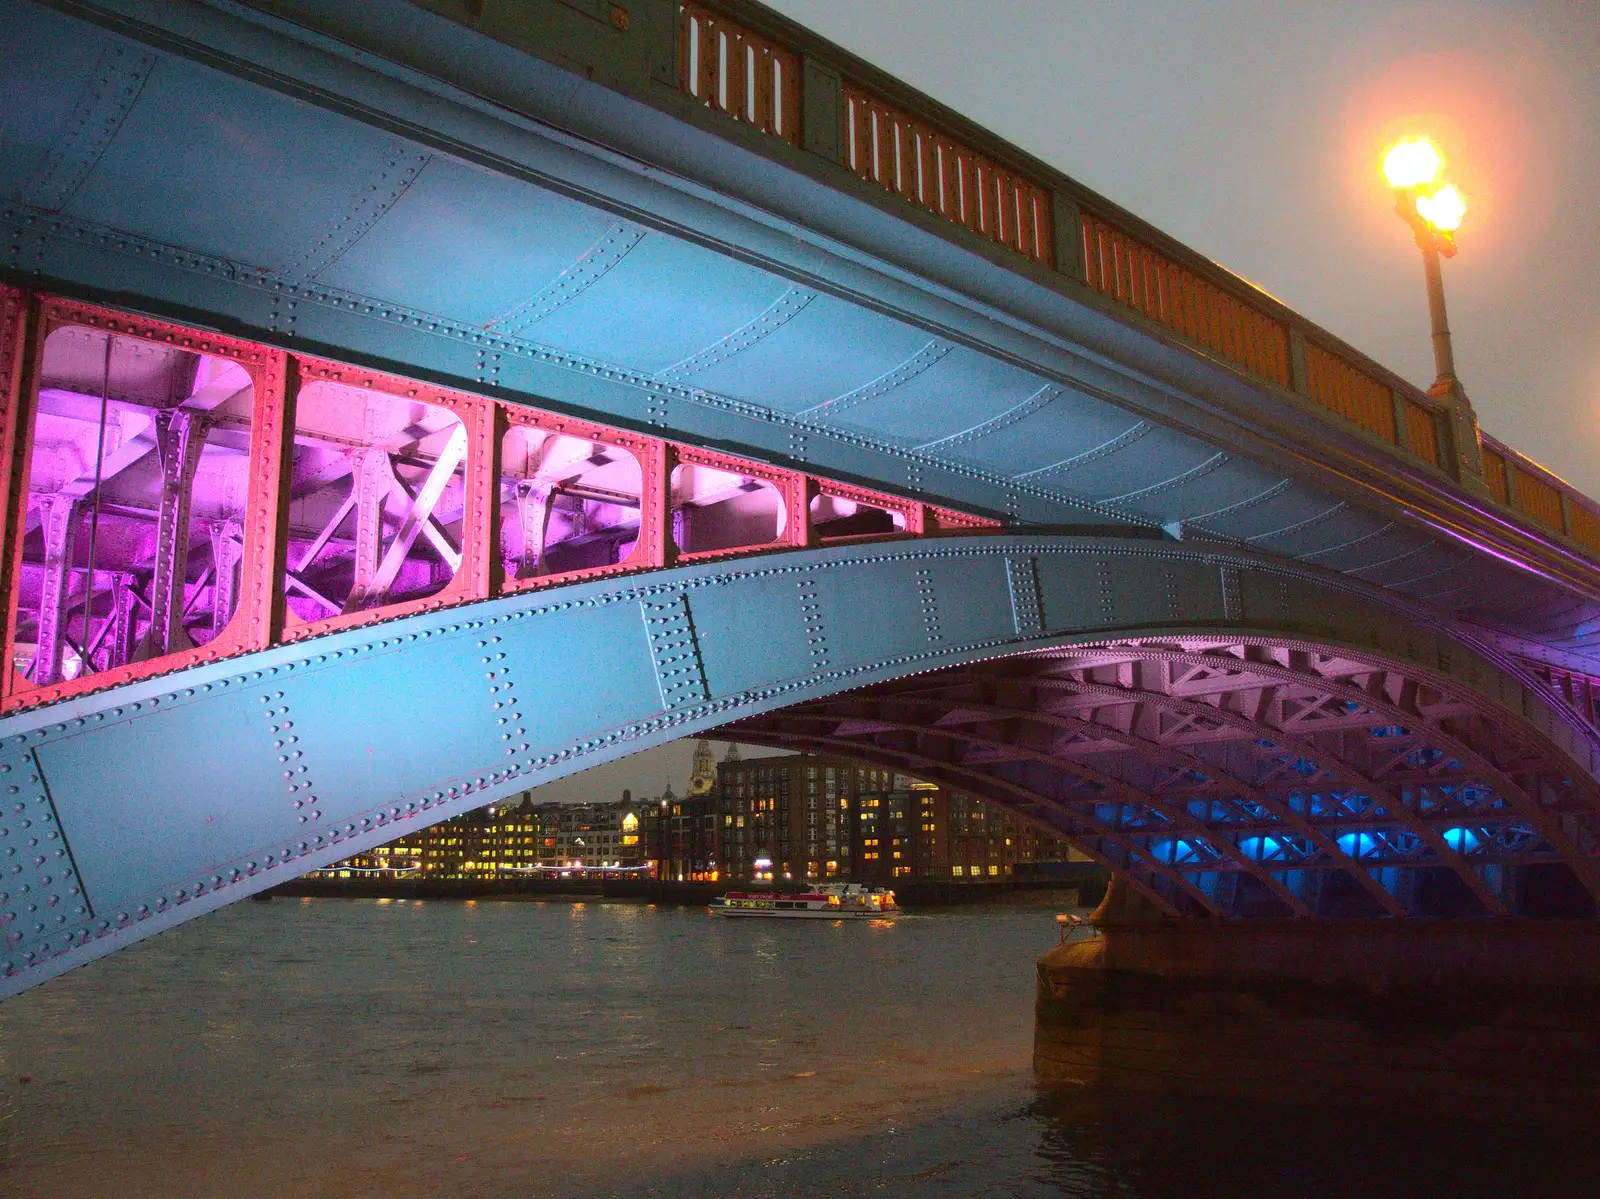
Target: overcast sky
<point>1252,130</point>
<point>645,774</point>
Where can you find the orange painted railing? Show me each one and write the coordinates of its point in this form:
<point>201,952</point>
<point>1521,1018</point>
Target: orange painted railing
<point>1585,527</point>
<point>1526,487</point>
<point>755,79</point>
<point>740,73</point>
<point>1135,275</point>
<point>928,167</point>
<point>1422,431</point>
<point>1354,395</point>
<point>1539,500</point>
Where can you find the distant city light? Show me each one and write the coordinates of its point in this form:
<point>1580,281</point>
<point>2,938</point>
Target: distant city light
<point>1412,162</point>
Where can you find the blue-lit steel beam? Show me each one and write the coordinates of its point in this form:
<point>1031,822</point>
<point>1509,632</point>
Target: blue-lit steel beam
<point>131,810</point>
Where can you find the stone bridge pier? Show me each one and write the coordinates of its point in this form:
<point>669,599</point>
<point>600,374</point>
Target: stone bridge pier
<point>1488,1020</point>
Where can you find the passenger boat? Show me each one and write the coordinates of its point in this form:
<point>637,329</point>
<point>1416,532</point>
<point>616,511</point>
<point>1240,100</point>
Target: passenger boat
<point>832,901</point>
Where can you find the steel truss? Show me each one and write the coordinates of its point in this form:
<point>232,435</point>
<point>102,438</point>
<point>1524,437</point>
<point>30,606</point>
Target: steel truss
<point>270,556</point>
<point>1193,765</point>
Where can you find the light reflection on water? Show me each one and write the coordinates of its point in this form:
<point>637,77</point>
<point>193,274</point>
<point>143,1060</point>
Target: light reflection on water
<point>364,1048</point>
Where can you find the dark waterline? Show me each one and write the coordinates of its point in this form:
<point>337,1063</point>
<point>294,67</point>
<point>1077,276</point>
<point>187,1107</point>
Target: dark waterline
<point>365,1048</point>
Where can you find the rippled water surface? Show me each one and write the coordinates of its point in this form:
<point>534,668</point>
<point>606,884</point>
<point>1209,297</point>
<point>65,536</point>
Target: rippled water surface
<point>362,1048</point>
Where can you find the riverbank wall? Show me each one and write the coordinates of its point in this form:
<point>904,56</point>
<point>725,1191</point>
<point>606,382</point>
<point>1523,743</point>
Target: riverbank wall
<point>909,895</point>
<point>554,889</point>
<point>1496,1020</point>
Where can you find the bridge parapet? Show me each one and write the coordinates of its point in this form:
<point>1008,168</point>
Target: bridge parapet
<point>772,75</point>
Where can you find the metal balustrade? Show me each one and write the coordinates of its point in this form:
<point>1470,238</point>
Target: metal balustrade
<point>1539,500</point>
<point>178,497</point>
<point>757,80</point>
<point>738,72</point>
<point>1585,528</point>
<point>1352,393</point>
<point>1495,476</point>
<point>911,158</point>
<point>1527,488</point>
<point>1422,431</point>
<point>1134,275</point>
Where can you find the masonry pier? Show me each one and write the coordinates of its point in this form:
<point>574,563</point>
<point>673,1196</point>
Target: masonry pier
<point>1487,1019</point>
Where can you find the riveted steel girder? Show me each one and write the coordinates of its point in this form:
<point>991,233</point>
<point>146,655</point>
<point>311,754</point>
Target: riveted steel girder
<point>126,831</point>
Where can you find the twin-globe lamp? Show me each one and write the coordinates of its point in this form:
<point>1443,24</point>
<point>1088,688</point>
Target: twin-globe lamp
<point>1433,209</point>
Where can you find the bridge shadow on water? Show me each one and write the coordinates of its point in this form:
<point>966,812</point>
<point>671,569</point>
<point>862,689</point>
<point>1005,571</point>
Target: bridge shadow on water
<point>1097,1145</point>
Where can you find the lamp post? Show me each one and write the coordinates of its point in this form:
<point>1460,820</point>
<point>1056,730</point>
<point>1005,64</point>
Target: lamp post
<point>1433,209</point>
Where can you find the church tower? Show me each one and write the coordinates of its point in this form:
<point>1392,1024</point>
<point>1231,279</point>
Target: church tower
<point>704,779</point>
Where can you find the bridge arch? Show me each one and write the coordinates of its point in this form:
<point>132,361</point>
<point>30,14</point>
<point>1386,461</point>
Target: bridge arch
<point>1242,776</point>
<point>1228,731</point>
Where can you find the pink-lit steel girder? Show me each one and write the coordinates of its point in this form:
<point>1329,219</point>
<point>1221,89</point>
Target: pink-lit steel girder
<point>180,435</point>
<point>374,480</point>
<point>58,518</point>
<point>350,497</point>
<point>227,547</point>
<point>533,518</point>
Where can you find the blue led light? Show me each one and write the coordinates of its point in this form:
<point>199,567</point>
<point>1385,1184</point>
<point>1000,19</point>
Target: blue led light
<point>1259,848</point>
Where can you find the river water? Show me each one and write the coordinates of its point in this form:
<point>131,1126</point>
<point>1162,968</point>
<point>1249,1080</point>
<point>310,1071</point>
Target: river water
<point>354,1048</point>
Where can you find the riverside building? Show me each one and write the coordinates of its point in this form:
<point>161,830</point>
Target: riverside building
<point>681,832</point>
<point>807,818</point>
<point>512,839</point>
<point>794,818</point>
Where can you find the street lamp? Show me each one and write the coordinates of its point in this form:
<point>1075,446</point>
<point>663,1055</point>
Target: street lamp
<point>1434,210</point>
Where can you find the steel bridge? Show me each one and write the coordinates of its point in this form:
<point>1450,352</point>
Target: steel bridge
<point>406,404</point>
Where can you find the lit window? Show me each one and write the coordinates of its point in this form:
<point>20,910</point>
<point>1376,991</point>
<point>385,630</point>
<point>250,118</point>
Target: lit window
<point>110,409</point>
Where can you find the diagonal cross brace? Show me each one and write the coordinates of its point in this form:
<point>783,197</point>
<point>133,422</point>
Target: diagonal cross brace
<point>376,590</point>
<point>433,530</point>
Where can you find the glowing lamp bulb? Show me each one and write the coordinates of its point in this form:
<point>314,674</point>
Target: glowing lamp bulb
<point>1443,209</point>
<point>1412,162</point>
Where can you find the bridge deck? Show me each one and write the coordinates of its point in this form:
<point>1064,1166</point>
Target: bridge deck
<point>628,243</point>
